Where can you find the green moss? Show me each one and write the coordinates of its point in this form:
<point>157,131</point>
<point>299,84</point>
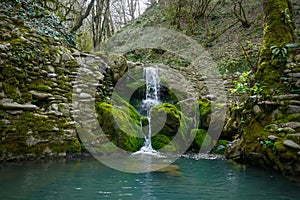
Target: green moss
<point>219,143</point>
<point>72,63</point>
<point>74,147</point>
<point>10,88</point>
<point>165,119</point>
<point>277,31</point>
<point>43,88</point>
<point>8,71</point>
<point>145,121</point>
<point>288,156</point>
<point>279,146</point>
<point>205,110</point>
<point>119,126</point>
<point>41,85</point>
<point>2,113</point>
<point>135,116</point>
<point>201,138</point>
<point>162,143</point>
<point>27,97</point>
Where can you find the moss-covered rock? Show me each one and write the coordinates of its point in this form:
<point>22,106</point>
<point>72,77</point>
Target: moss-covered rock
<point>118,66</point>
<point>161,143</point>
<point>167,120</point>
<point>29,76</point>
<point>204,111</point>
<point>119,126</point>
<point>220,147</point>
<point>201,139</point>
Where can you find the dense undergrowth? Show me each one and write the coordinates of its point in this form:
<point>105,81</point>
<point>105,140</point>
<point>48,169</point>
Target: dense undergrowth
<point>35,16</point>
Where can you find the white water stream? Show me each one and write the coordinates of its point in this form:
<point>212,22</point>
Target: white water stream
<point>151,99</point>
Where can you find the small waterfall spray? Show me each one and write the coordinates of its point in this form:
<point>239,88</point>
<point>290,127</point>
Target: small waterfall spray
<point>151,99</point>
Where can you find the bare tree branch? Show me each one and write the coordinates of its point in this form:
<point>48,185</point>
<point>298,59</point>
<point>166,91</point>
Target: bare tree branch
<point>80,19</point>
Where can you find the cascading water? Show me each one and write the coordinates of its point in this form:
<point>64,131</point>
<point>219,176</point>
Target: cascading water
<point>151,99</point>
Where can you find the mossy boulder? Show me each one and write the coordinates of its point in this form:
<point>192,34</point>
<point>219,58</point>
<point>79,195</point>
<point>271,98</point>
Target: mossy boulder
<point>118,66</point>
<point>168,122</point>
<point>119,126</point>
<point>201,139</point>
<point>162,143</point>
<point>165,119</point>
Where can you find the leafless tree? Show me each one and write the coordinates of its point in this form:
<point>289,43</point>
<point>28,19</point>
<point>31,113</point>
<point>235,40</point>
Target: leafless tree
<point>239,12</point>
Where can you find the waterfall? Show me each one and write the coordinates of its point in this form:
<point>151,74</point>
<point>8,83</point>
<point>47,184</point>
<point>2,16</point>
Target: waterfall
<point>151,99</point>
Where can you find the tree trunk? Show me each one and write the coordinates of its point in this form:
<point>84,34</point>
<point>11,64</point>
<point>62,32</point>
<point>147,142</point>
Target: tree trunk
<point>278,31</point>
<point>80,19</point>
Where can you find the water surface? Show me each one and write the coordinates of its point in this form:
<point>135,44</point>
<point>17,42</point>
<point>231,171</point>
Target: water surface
<point>89,179</point>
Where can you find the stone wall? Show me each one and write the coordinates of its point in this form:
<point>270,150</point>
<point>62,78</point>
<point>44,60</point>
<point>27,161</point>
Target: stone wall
<point>37,78</point>
<point>270,132</point>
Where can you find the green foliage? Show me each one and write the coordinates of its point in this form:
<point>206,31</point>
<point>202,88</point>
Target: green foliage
<point>233,65</point>
<point>279,52</point>
<point>223,143</point>
<point>202,139</point>
<point>156,56</point>
<point>204,111</point>
<point>243,85</point>
<point>74,147</point>
<point>37,17</point>
<point>286,16</point>
<point>267,143</point>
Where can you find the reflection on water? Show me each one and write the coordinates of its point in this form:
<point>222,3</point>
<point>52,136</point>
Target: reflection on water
<point>89,179</point>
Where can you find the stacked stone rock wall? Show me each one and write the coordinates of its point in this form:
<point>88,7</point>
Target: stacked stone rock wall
<point>37,78</point>
<point>270,135</point>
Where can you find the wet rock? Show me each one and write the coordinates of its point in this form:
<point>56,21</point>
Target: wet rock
<point>294,102</point>
<point>220,148</point>
<point>233,150</point>
<point>291,144</point>
<point>273,137</point>
<point>52,75</point>
<point>294,75</point>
